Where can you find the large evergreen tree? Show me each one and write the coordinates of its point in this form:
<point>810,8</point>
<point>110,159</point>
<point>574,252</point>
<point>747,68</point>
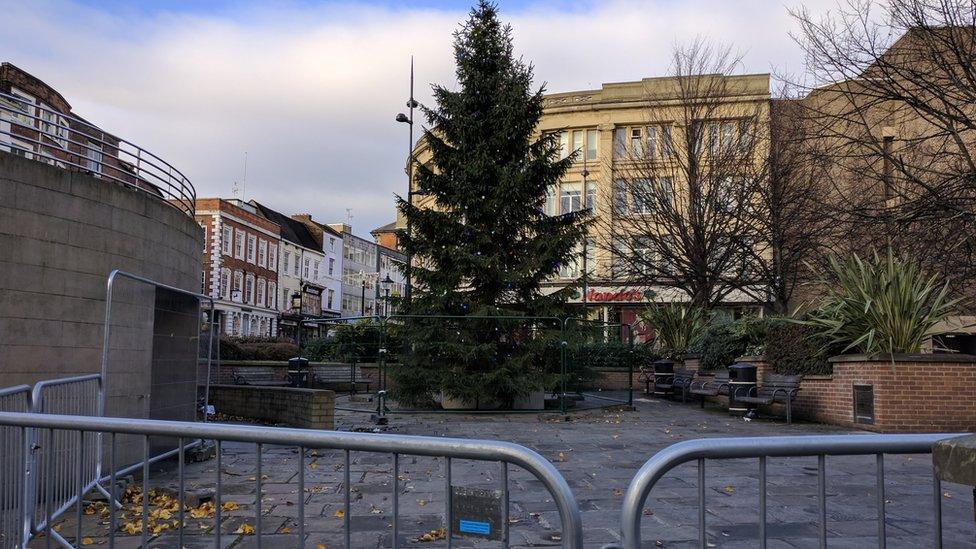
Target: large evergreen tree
<point>485,246</point>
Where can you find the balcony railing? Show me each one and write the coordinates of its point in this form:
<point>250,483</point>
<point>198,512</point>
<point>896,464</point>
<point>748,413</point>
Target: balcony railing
<point>40,133</point>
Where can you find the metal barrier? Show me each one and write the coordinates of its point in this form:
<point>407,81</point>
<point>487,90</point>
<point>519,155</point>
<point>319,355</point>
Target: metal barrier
<point>63,467</point>
<point>36,131</point>
<point>396,445</point>
<point>766,447</point>
<point>14,485</point>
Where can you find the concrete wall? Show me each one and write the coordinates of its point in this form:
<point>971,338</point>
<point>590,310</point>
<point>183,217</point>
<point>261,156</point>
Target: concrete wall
<point>61,234</point>
<point>308,408</point>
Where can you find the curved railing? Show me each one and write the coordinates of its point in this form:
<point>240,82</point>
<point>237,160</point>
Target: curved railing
<point>41,133</point>
<point>762,448</point>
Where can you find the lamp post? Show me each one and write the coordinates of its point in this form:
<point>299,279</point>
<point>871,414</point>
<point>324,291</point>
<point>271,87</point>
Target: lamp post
<point>296,306</point>
<point>403,118</point>
<point>585,173</point>
<point>386,283</point>
<point>362,299</point>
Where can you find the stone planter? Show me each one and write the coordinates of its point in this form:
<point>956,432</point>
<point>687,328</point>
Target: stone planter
<point>536,400</point>
<point>690,362</point>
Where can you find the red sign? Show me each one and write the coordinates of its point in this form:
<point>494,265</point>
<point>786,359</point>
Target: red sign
<point>594,296</point>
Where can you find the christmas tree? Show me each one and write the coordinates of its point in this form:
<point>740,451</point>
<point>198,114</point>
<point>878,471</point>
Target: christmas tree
<point>486,245</point>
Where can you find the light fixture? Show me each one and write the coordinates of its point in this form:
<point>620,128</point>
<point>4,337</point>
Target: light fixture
<point>403,118</point>
<point>296,301</point>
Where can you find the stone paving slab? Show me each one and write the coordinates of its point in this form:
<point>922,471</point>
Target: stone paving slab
<point>598,452</point>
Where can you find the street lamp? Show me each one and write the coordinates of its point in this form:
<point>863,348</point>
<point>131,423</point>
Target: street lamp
<point>386,283</point>
<point>296,307</point>
<point>362,299</point>
<point>403,118</point>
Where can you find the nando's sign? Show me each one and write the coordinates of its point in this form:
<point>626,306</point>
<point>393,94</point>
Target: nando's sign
<point>617,295</point>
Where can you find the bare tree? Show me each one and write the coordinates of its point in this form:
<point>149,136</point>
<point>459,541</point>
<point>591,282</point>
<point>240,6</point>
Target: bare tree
<point>895,107</point>
<point>683,183</point>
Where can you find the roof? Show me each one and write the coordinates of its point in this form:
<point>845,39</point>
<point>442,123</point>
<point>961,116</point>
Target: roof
<point>388,228</point>
<point>291,230</point>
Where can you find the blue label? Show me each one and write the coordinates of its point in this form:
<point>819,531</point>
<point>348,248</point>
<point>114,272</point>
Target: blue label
<point>474,527</point>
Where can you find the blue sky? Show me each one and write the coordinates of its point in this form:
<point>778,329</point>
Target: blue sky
<point>309,89</point>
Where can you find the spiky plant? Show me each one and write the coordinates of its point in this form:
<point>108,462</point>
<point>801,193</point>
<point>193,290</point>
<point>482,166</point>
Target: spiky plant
<point>881,305</point>
<point>675,324</point>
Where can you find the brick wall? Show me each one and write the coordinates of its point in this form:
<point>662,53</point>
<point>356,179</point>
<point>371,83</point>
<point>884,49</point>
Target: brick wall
<point>307,408</point>
<point>924,393</point>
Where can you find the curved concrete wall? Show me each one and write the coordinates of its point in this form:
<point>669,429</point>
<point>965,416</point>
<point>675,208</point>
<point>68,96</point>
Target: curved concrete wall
<point>61,234</point>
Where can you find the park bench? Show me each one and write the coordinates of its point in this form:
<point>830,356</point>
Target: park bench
<point>774,388</point>
<point>259,376</point>
<point>718,385</point>
<point>680,381</point>
<point>341,375</point>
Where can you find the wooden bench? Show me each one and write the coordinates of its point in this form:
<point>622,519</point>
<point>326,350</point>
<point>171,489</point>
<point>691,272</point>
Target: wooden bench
<point>258,376</point>
<point>774,388</point>
<point>341,375</point>
<point>718,385</point>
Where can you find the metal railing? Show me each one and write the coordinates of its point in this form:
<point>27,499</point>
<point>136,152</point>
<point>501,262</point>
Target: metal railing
<point>14,493</point>
<point>39,132</point>
<point>305,440</point>
<point>766,447</point>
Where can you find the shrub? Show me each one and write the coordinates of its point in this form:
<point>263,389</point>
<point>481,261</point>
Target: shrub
<point>796,349</point>
<point>882,305</point>
<point>356,342</point>
<point>675,326</point>
<point>721,342</point>
<point>253,348</point>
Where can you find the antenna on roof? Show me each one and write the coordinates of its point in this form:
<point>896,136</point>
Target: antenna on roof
<point>244,179</point>
<point>348,214</point>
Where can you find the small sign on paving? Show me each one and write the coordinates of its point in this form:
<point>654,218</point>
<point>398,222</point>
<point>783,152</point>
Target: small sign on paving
<point>477,513</point>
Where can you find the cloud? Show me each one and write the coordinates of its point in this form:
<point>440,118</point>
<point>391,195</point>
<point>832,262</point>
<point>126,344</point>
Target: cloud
<point>310,92</point>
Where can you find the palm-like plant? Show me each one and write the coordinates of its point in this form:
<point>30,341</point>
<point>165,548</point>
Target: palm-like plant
<point>676,325</point>
<point>882,305</point>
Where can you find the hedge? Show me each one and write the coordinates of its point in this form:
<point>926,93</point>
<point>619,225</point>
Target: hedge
<point>796,349</point>
<point>253,348</point>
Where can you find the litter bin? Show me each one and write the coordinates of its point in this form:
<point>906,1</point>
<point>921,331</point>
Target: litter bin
<point>663,377</point>
<point>298,371</point>
<point>742,381</point>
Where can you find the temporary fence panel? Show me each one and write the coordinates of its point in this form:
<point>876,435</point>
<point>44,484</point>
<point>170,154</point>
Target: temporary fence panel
<point>14,512</point>
<point>346,354</point>
<point>395,446</point>
<point>598,355</point>
<point>763,448</point>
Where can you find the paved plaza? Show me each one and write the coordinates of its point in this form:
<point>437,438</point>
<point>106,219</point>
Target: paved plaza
<point>598,451</point>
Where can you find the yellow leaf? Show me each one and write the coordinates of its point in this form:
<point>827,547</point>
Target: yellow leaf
<point>618,492</point>
<point>320,546</point>
<point>562,456</point>
<point>229,505</point>
<point>339,513</point>
<point>245,529</point>
<point>421,502</point>
<point>730,489</point>
<point>285,530</point>
<point>87,541</point>
<point>313,466</point>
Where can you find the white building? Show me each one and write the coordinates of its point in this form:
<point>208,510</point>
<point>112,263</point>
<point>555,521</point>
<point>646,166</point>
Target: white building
<point>331,243</point>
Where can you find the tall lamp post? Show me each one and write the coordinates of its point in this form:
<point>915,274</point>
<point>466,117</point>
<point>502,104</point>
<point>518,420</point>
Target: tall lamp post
<point>585,173</point>
<point>362,298</point>
<point>386,283</point>
<point>408,119</point>
<point>296,305</point>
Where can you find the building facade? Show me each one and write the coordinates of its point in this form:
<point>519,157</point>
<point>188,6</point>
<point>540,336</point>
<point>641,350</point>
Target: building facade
<point>240,267</point>
<point>359,274</point>
<point>331,244</point>
<point>389,266</point>
<point>609,129</point>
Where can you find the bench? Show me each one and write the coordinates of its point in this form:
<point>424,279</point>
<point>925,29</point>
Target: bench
<point>774,388</point>
<point>680,381</point>
<point>258,376</point>
<point>340,375</point>
<point>646,376</point>
<point>718,385</point>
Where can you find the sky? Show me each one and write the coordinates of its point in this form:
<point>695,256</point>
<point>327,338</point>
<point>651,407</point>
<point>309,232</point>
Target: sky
<point>309,90</point>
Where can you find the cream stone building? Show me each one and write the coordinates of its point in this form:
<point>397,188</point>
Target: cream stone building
<point>610,127</point>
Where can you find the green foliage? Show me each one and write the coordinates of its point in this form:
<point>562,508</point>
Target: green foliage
<point>796,349</point>
<point>723,341</point>
<point>254,348</point>
<point>676,326</point>
<point>486,246</point>
<point>354,342</point>
<point>882,305</point>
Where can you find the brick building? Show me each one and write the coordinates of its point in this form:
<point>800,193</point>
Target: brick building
<point>240,267</point>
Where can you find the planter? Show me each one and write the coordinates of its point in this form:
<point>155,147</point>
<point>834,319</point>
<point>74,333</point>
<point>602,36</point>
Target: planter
<point>690,362</point>
<point>536,400</point>
<point>449,403</point>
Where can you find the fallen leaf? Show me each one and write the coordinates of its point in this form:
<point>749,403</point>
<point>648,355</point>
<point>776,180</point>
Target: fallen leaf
<point>421,502</point>
<point>433,535</point>
<point>285,530</point>
<point>320,546</point>
<point>245,529</point>
<point>618,492</point>
<point>729,489</point>
<point>339,513</point>
<point>87,541</point>
<point>229,506</point>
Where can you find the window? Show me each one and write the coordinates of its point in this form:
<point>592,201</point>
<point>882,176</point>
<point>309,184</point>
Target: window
<point>745,135</point>
<point>577,143</point>
<point>651,142</point>
<point>287,261</point>
<point>24,103</point>
<point>203,282</point>
<point>665,145</point>
<point>305,264</point>
<point>238,244</point>
<point>262,253</point>
<point>315,270</point>
<point>620,142</point>
<point>644,256</point>
<point>620,204</point>
<point>238,286</point>
<point>590,195</point>
<point>227,240</point>
<point>571,267</point>
<point>591,140</point>
<point>643,196</point>
<point>550,206</point>
<point>251,245</point>
<point>52,125</point>
<point>204,227</point>
<point>262,287</point>
<point>273,256</point>
<point>94,154</point>
<point>570,197</point>
<point>224,287</point>
<point>272,295</point>
<point>21,148</point>
<point>332,242</point>
<point>563,145</point>
<point>249,289</point>
<point>636,146</point>
<point>331,299</point>
<point>331,266</point>
<point>285,299</point>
